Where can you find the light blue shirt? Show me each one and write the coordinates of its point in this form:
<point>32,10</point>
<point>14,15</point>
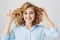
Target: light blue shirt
<point>37,32</point>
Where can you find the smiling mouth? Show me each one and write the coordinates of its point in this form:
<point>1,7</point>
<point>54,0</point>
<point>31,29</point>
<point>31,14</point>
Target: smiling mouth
<point>28,18</point>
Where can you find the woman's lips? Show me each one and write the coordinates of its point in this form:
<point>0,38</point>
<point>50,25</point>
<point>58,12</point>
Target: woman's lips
<point>28,18</point>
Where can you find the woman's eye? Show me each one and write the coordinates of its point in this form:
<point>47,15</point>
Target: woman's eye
<point>31,13</point>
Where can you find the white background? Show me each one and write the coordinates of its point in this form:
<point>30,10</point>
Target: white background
<point>51,6</point>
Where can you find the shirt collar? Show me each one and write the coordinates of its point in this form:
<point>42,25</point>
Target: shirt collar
<point>31,29</point>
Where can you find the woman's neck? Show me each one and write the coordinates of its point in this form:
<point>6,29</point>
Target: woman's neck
<point>28,25</point>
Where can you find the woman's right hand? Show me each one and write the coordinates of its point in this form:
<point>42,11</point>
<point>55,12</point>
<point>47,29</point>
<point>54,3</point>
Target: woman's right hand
<point>10,17</point>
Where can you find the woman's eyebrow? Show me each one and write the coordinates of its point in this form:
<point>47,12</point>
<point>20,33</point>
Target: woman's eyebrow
<point>31,11</point>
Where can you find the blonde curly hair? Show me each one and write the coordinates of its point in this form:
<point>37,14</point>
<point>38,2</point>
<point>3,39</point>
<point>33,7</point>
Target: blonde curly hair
<point>18,14</point>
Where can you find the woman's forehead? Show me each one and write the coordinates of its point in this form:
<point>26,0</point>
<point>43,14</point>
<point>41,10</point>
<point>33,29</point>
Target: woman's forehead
<point>30,9</point>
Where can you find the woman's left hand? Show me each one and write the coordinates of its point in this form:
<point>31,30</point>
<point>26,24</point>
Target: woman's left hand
<point>44,14</point>
<point>46,18</point>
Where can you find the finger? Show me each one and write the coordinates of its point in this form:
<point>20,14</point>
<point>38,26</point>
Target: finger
<point>8,14</point>
<point>11,13</point>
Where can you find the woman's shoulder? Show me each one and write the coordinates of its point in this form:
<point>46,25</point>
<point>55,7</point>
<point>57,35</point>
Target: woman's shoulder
<point>40,26</point>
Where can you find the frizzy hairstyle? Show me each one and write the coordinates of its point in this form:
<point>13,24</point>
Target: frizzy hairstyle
<point>18,14</point>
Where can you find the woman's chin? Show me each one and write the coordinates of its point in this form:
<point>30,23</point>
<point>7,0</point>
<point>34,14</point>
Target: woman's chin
<point>28,21</point>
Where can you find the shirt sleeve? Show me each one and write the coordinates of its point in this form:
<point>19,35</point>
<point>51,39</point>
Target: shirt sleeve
<point>51,32</point>
<point>10,36</point>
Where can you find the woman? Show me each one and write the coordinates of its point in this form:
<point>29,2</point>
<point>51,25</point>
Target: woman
<point>27,19</point>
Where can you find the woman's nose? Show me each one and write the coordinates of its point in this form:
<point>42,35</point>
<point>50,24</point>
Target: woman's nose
<point>28,15</point>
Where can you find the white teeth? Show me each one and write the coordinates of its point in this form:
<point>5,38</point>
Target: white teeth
<point>28,18</point>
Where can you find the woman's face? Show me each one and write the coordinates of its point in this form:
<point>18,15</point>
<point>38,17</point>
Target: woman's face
<point>29,15</point>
